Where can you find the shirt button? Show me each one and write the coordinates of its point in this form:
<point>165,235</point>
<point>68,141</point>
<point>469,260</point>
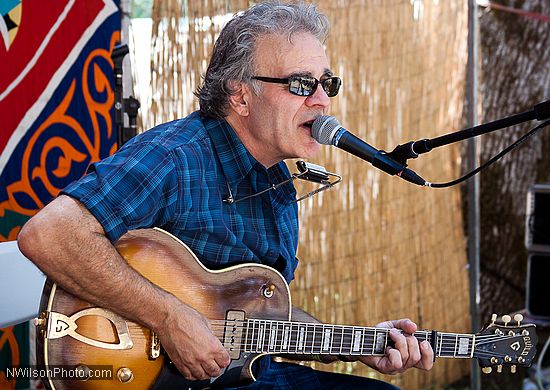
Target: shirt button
<point>270,253</point>
<point>265,203</point>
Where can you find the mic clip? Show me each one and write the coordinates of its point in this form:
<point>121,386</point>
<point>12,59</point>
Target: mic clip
<point>411,149</point>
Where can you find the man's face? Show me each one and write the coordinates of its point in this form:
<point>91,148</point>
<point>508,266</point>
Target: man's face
<point>279,123</point>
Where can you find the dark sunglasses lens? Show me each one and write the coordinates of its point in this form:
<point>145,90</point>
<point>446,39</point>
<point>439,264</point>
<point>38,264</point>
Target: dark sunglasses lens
<point>332,86</point>
<point>302,86</point>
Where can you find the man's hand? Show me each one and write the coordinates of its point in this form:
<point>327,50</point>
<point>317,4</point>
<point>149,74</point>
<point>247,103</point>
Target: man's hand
<point>188,339</point>
<point>407,352</point>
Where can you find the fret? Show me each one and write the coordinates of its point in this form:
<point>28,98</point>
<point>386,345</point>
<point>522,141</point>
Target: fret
<point>294,337</point>
<point>463,345</point>
<point>265,337</point>
<point>356,343</point>
<point>327,339</point>
<point>456,345</point>
<point>313,338</point>
<point>380,341</point>
<point>261,335</point>
<point>364,344</point>
<point>281,334</point>
<point>347,340</point>
<point>253,336</point>
<point>301,337</point>
<point>272,336</point>
<point>336,342</point>
<point>286,336</point>
<point>246,336</point>
<point>309,339</point>
<point>317,339</point>
<point>440,340</point>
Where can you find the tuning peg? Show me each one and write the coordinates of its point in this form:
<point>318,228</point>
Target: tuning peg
<point>518,317</point>
<point>493,318</point>
<point>499,368</point>
<point>487,370</point>
<point>513,368</point>
<point>506,319</point>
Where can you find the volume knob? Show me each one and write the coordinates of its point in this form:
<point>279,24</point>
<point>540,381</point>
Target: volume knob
<point>125,375</point>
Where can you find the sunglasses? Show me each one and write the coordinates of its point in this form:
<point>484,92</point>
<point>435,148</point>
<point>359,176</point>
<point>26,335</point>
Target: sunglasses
<point>306,85</point>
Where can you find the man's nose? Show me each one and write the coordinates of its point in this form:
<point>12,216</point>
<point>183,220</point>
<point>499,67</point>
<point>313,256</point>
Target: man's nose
<point>319,98</point>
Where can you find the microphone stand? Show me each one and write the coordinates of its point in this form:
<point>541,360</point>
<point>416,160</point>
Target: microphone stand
<point>413,149</point>
<point>123,105</point>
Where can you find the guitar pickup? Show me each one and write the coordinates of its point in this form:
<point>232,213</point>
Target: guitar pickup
<point>233,334</point>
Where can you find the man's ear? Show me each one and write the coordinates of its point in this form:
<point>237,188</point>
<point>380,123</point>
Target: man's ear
<point>239,98</point>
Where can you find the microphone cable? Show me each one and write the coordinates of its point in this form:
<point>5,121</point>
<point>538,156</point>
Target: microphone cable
<point>519,141</point>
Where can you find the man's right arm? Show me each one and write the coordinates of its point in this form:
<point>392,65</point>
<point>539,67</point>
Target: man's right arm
<point>69,245</point>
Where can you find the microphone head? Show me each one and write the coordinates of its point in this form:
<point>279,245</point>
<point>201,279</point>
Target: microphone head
<point>324,128</point>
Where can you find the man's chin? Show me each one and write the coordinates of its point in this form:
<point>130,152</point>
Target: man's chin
<point>311,149</point>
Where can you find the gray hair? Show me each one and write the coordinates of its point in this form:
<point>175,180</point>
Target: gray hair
<point>233,54</point>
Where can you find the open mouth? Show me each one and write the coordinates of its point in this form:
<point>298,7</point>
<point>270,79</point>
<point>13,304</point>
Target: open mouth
<point>307,124</point>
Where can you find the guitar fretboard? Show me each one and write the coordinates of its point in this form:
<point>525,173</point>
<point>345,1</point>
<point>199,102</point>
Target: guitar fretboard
<point>285,337</point>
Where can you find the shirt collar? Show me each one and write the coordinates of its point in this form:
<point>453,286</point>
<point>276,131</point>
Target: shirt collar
<point>235,159</point>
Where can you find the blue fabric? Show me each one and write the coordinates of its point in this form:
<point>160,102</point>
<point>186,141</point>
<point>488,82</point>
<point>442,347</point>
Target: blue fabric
<point>175,177</point>
<point>277,376</point>
<point>288,376</point>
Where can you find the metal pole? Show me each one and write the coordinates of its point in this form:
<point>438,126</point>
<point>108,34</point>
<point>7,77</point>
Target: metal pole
<point>473,183</point>
<point>124,40</point>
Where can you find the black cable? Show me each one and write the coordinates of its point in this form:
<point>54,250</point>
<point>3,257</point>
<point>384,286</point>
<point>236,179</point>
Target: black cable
<point>491,161</point>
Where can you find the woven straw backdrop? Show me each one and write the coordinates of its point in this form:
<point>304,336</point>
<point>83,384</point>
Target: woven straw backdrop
<point>374,247</point>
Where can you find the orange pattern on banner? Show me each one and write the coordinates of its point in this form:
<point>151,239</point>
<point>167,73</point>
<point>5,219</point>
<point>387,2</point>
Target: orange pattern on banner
<point>7,339</point>
<point>69,153</point>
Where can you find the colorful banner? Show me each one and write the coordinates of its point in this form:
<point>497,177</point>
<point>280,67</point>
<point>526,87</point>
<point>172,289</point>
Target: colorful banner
<point>56,113</point>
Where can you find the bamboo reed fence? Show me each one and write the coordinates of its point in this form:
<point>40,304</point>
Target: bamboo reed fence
<point>374,247</point>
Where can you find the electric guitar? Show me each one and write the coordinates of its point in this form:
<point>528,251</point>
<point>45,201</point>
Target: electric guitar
<point>249,307</point>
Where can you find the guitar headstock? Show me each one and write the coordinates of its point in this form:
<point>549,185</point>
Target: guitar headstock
<point>500,344</point>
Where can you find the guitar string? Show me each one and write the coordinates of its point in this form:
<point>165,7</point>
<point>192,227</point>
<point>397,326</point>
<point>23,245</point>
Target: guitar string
<point>422,333</point>
<point>449,346</point>
<point>379,331</point>
<point>448,350</point>
<point>244,323</point>
<point>443,349</point>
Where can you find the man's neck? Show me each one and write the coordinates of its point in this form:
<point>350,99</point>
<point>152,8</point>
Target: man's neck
<point>253,145</point>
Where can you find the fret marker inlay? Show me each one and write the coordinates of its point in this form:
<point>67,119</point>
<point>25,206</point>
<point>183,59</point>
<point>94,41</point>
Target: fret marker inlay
<point>326,339</point>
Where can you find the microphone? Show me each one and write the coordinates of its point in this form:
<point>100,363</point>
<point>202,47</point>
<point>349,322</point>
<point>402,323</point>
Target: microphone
<point>327,131</point>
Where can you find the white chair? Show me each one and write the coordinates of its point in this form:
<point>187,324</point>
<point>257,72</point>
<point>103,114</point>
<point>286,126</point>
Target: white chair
<point>21,284</point>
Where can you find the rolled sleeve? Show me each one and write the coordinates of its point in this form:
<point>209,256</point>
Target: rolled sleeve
<point>134,188</point>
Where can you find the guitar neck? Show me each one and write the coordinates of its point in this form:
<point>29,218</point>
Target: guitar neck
<point>285,337</point>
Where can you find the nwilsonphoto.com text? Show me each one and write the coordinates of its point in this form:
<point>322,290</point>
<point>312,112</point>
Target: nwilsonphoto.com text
<point>61,372</point>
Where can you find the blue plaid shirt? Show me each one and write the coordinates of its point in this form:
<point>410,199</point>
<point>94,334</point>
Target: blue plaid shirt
<point>176,175</point>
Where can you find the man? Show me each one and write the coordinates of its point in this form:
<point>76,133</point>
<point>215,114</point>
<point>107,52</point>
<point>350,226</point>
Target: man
<point>268,79</point>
